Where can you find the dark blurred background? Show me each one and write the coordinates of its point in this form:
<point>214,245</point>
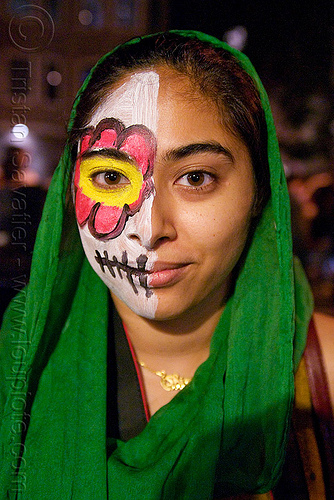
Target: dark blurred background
<point>48,47</point>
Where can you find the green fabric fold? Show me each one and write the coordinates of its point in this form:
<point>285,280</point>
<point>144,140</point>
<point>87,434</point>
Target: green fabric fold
<point>228,426</point>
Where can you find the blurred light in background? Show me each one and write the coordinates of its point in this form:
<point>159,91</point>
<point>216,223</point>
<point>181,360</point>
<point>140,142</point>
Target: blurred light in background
<point>20,131</point>
<point>85,17</point>
<point>20,136</point>
<point>53,78</point>
<point>236,37</point>
<point>91,13</point>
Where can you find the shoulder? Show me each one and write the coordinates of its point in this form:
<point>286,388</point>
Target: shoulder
<point>325,330</point>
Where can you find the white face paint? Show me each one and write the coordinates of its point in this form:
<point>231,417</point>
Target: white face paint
<point>117,239</point>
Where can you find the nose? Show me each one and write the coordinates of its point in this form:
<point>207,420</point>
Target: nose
<point>152,224</point>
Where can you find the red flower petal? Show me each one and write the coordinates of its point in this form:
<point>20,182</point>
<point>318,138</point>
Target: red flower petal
<point>83,206</point>
<point>107,218</point>
<point>85,143</point>
<point>77,173</point>
<point>107,140</point>
<point>140,149</point>
<point>137,204</point>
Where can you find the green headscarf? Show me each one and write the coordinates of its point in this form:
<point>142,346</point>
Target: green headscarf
<point>228,426</point>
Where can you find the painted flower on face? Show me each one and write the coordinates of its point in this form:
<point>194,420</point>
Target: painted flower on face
<point>113,175</point>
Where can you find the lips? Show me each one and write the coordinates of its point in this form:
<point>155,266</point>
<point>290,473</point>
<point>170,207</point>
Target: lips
<point>162,273</point>
<point>165,274</point>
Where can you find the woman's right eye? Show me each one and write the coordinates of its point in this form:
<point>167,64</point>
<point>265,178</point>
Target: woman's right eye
<point>109,179</point>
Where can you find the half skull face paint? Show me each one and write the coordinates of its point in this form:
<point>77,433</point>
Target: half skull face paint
<point>114,190</point>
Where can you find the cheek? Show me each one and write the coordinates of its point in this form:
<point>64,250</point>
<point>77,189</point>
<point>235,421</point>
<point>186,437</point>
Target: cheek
<point>106,258</point>
<point>125,246</point>
<point>218,232</point>
<point>121,262</point>
<point>120,265</point>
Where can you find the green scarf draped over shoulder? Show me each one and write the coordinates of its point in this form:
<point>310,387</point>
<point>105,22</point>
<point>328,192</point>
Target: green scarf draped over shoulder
<point>229,426</point>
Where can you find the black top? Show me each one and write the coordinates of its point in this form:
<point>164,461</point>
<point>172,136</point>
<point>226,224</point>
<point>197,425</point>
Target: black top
<point>125,409</point>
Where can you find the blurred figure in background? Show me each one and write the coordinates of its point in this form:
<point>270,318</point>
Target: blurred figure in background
<point>312,210</point>
<point>303,119</point>
<point>21,203</point>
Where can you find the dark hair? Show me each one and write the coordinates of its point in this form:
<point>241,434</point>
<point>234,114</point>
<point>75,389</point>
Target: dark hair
<point>213,71</point>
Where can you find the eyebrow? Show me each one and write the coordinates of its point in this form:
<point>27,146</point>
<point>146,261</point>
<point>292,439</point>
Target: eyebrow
<point>113,153</point>
<point>197,148</point>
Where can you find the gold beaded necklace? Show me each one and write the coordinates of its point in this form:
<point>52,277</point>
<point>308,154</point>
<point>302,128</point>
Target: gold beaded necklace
<point>172,382</point>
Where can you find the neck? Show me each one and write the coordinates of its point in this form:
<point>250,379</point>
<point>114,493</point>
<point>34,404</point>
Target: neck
<point>183,341</point>
<point>177,345</point>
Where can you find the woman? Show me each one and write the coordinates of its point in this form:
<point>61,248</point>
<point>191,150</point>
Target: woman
<point>179,383</point>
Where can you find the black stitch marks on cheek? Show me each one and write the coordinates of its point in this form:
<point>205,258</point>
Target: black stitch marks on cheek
<point>141,263</point>
<point>129,271</point>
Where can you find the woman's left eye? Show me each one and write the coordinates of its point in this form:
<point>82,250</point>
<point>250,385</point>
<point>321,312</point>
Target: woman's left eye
<point>196,179</point>
<point>109,179</point>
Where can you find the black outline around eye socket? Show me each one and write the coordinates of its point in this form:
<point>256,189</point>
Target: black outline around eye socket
<point>122,134</point>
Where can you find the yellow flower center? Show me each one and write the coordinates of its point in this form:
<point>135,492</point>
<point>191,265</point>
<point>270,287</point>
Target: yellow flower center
<point>110,181</point>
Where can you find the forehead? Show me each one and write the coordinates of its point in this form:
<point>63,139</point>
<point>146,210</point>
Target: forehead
<point>133,102</point>
<point>145,96</point>
<point>168,104</point>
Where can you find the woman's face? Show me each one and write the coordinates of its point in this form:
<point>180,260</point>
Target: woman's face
<point>164,196</point>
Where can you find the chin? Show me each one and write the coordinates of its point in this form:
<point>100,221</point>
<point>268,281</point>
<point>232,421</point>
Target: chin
<point>160,313</point>
<point>172,311</point>
<point>139,303</point>
<point>152,309</point>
